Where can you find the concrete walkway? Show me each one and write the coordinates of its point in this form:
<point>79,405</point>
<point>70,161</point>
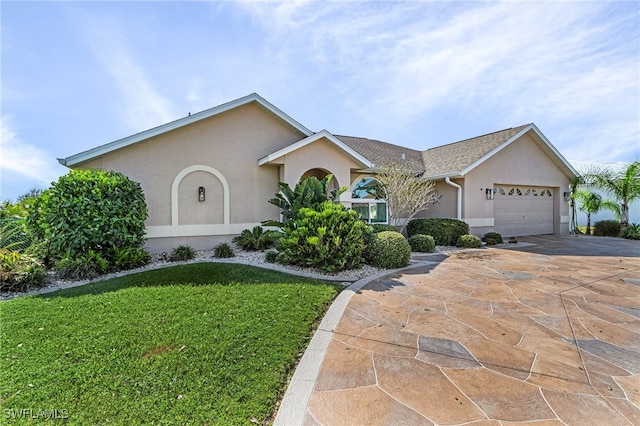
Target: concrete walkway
<point>547,334</point>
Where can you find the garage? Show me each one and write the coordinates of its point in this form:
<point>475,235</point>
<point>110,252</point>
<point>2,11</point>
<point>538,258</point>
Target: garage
<point>523,210</point>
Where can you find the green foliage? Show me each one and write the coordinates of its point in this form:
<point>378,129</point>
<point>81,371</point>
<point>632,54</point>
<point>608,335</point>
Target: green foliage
<point>87,265</point>
<point>310,192</point>
<point>445,232</point>
<point>422,243</point>
<point>389,249</point>
<point>20,271</point>
<point>13,234</point>
<point>129,258</point>
<point>182,252</point>
<point>379,227</point>
<point>632,232</point>
<point>89,211</point>
<point>223,250</point>
<point>330,238</point>
<point>492,238</point>
<point>154,347</point>
<point>513,240</point>
<point>271,256</point>
<point>256,239</point>
<point>607,228</point>
<point>624,186</point>
<point>469,241</point>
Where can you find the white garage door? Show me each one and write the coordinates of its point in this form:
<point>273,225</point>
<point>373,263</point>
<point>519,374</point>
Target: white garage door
<point>523,210</point>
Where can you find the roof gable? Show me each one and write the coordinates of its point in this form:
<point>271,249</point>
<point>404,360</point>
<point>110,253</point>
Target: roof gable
<point>192,118</point>
<point>312,138</point>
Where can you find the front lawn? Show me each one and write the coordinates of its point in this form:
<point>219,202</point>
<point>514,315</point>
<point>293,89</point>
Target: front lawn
<point>202,343</point>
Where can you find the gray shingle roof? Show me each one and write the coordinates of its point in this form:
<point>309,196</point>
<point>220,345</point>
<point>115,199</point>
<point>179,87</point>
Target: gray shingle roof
<point>379,152</point>
<point>442,160</point>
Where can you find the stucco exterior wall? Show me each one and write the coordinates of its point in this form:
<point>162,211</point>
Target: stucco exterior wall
<point>446,206</point>
<point>520,163</point>
<point>230,143</point>
<point>321,154</point>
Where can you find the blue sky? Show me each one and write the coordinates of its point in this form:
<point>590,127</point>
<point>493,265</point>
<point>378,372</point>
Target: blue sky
<point>76,75</point>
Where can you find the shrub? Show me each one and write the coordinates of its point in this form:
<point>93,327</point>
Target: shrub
<point>422,243</point>
<point>223,250</point>
<point>445,232</point>
<point>607,228</point>
<point>129,258</point>
<point>182,252</point>
<point>271,256</point>
<point>379,227</point>
<point>84,266</point>
<point>330,238</point>
<point>513,240</point>
<point>469,241</point>
<point>632,232</point>
<point>256,239</point>
<point>492,238</point>
<point>389,249</point>
<point>89,210</point>
<point>20,271</point>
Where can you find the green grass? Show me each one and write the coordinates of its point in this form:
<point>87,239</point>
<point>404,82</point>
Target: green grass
<point>203,343</point>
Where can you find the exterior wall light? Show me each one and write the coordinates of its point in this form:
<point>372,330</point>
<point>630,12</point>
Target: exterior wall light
<point>567,195</point>
<point>489,193</point>
<point>201,194</point>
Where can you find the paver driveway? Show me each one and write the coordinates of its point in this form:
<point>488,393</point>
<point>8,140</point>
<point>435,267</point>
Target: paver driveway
<point>546,334</point>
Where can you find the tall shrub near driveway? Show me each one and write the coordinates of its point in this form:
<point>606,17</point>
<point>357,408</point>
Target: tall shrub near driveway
<point>90,212</point>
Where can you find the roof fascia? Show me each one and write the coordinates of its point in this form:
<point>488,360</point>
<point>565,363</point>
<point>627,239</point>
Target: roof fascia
<point>130,140</point>
<point>312,138</point>
<point>555,151</point>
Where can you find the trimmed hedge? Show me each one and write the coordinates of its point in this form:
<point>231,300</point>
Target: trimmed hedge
<point>422,243</point>
<point>607,228</point>
<point>469,241</point>
<point>445,232</point>
<point>389,249</point>
<point>492,238</point>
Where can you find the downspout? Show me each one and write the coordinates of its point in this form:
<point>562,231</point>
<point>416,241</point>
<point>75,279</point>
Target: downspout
<point>459,188</point>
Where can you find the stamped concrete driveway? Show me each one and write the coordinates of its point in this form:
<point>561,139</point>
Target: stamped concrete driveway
<point>547,334</point>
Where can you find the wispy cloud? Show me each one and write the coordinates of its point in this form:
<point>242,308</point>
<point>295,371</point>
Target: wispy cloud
<point>20,161</point>
<point>557,63</point>
<point>144,106</point>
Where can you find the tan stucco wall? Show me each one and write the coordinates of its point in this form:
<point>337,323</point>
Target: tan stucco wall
<point>231,143</point>
<point>321,154</point>
<point>523,162</point>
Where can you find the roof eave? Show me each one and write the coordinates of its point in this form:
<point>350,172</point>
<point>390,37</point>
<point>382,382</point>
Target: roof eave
<point>164,128</point>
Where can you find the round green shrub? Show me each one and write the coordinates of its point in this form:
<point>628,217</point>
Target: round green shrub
<point>223,250</point>
<point>330,238</point>
<point>182,252</point>
<point>492,238</point>
<point>89,210</point>
<point>607,228</point>
<point>445,232</point>
<point>469,241</point>
<point>389,249</point>
<point>422,243</point>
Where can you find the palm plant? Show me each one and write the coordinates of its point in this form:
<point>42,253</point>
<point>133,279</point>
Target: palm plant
<point>624,186</point>
<point>590,203</point>
<point>309,192</point>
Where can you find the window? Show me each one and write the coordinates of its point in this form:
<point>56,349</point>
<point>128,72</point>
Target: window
<point>367,201</point>
<point>375,212</point>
